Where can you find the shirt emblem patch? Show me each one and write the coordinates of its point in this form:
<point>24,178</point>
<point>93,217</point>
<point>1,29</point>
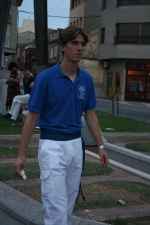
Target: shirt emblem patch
<point>81,91</point>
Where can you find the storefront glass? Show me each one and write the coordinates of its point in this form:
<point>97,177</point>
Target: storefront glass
<point>137,85</point>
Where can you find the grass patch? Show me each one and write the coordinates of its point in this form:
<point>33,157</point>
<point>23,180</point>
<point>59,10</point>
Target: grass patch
<point>12,152</point>
<point>103,194</point>
<point>106,194</point>
<point>33,172</point>
<point>106,120</point>
<point>139,221</point>
<point>93,169</point>
<point>11,127</point>
<point>120,123</point>
<point>7,171</point>
<point>33,192</point>
<point>139,147</point>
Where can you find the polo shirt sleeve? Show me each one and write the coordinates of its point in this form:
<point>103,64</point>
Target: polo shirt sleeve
<point>91,97</point>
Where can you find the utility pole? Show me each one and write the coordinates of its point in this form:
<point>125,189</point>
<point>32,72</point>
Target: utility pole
<point>41,34</point>
<point>4,14</point>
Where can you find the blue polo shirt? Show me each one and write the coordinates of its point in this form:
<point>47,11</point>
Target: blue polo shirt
<point>60,101</point>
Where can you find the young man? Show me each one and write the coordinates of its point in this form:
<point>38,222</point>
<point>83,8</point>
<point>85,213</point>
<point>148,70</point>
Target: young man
<point>60,95</point>
<point>19,99</point>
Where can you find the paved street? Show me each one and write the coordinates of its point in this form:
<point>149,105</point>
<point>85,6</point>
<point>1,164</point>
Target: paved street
<point>135,110</point>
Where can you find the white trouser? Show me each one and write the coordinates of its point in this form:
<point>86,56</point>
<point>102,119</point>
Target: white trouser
<point>16,105</point>
<point>61,166</point>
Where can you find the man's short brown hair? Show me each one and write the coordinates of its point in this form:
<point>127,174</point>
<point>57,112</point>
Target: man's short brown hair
<point>69,33</point>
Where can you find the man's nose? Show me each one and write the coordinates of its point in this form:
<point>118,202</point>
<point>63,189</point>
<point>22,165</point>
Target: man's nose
<point>80,46</point>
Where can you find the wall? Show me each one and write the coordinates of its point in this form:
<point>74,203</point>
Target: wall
<point>13,32</point>
<point>90,62</point>
<point>77,12</point>
<point>3,91</point>
<point>118,66</point>
<point>92,9</point>
<point>125,14</point>
<point>26,37</point>
<point>96,72</point>
<point>27,25</point>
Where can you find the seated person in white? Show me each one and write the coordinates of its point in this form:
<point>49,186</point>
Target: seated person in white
<point>19,99</point>
<point>24,112</point>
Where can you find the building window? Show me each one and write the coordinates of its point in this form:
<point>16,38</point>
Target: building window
<point>7,38</point>
<point>118,75</point>
<point>104,4</point>
<point>7,42</point>
<point>75,3</point>
<point>77,23</point>
<point>51,52</point>
<point>102,35</point>
<point>132,33</point>
<point>80,21</point>
<point>55,51</point>
<point>133,2</point>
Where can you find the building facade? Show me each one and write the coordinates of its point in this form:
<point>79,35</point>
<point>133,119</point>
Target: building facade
<point>11,32</point>
<point>124,45</point>
<point>125,48</point>
<point>54,53</point>
<point>27,25</point>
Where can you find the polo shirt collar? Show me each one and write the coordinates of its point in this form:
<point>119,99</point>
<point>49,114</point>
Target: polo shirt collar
<point>59,72</point>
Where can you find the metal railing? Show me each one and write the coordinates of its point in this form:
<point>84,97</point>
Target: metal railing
<point>115,97</point>
<point>133,2</point>
<point>132,40</point>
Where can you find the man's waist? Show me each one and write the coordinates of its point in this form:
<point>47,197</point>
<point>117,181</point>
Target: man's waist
<point>57,135</point>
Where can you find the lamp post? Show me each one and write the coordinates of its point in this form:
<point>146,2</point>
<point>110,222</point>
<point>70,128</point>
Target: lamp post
<point>41,36</point>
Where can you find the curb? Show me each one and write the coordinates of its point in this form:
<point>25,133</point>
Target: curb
<point>122,166</point>
<point>27,210</point>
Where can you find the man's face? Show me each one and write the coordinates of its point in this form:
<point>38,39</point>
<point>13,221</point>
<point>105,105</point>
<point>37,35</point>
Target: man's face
<point>74,49</point>
<point>27,75</point>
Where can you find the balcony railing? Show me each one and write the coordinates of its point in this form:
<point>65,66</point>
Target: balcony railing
<point>133,2</point>
<point>143,40</point>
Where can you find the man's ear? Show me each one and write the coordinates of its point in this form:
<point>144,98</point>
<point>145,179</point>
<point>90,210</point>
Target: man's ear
<point>62,47</point>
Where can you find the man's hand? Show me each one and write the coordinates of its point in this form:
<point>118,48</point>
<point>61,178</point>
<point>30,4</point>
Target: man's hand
<point>19,164</point>
<point>25,105</point>
<point>103,157</point>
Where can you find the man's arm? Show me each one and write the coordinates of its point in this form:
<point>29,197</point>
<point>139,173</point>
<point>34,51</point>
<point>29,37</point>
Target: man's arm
<point>93,125</point>
<point>27,132</point>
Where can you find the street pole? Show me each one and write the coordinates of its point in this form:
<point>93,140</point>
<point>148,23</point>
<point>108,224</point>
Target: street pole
<point>4,14</point>
<point>41,34</point>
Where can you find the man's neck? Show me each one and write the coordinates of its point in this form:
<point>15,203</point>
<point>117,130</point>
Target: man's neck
<point>69,69</point>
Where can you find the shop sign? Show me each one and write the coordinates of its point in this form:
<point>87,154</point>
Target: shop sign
<point>148,66</point>
<point>137,66</point>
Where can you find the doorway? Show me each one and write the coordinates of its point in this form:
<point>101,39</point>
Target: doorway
<point>109,82</point>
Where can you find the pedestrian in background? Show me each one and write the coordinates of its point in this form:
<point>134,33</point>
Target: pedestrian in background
<point>59,97</point>
<point>19,99</point>
<point>13,81</point>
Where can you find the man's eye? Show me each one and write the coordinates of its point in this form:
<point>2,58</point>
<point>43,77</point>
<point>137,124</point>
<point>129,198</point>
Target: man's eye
<point>74,42</point>
<point>83,44</point>
<point>77,43</point>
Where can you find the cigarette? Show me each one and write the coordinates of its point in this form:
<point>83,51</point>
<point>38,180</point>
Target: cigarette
<point>22,173</point>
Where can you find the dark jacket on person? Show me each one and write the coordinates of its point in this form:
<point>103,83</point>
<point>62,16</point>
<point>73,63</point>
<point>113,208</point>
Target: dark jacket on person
<point>26,84</point>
